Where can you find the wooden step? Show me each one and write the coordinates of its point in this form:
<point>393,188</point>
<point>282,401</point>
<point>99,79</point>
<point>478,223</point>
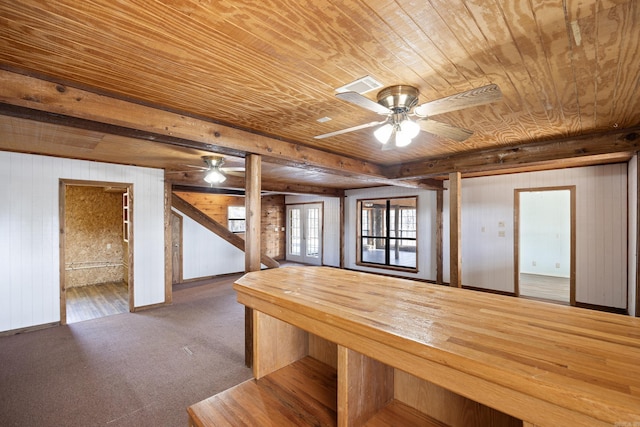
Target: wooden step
<point>301,394</point>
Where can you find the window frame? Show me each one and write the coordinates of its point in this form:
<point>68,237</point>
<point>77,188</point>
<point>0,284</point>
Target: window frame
<point>241,222</point>
<point>389,236</point>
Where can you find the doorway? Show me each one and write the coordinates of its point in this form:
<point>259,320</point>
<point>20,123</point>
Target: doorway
<point>96,232</point>
<point>304,233</point>
<point>544,240</point>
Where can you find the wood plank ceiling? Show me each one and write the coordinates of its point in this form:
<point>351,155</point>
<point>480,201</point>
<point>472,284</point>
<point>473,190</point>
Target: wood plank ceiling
<point>568,71</point>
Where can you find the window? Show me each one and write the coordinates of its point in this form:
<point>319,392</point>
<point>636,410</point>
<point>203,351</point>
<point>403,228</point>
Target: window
<point>388,232</point>
<point>236,219</point>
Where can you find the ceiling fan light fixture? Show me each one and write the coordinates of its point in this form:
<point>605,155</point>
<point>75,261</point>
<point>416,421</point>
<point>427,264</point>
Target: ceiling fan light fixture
<point>410,128</point>
<point>214,176</point>
<point>383,133</point>
<point>403,138</point>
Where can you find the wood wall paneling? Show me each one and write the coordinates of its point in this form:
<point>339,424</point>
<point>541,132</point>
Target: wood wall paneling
<point>31,250</point>
<point>215,206</point>
<point>601,227</point>
<point>199,243</point>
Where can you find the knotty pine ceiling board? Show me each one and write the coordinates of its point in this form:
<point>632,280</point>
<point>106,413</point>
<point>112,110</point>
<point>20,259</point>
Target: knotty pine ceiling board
<point>566,68</point>
<point>28,136</point>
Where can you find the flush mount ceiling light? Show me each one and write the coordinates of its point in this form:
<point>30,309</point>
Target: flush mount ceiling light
<point>399,103</point>
<point>213,174</point>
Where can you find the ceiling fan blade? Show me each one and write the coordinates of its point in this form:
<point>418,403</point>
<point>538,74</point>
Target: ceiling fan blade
<point>351,129</point>
<point>234,170</point>
<point>364,102</point>
<point>471,98</point>
<point>445,130</point>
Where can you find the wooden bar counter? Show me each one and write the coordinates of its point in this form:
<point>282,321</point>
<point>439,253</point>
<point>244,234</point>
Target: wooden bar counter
<point>442,350</point>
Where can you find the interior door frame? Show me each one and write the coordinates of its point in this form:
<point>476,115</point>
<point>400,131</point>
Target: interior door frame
<point>303,225</point>
<point>516,236</point>
<point>62,191</point>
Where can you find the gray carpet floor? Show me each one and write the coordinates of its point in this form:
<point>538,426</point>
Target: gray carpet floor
<point>131,369</point>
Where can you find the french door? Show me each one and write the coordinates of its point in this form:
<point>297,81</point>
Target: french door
<point>304,233</point>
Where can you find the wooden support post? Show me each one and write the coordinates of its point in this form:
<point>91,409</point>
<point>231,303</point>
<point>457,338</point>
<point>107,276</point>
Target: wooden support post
<point>636,283</point>
<point>253,168</point>
<point>439,236</point>
<point>342,231</point>
<point>455,241</point>
<point>253,172</point>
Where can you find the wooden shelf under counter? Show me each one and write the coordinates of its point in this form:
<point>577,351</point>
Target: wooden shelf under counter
<point>301,394</point>
<point>458,357</point>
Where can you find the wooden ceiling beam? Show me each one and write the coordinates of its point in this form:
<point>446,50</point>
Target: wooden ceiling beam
<point>194,179</point>
<point>522,156</point>
<point>77,107</point>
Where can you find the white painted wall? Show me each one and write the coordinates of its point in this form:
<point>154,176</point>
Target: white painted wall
<point>206,254</point>
<point>633,232</point>
<point>545,233</point>
<point>601,230</point>
<point>426,228</point>
<point>29,233</point>
<point>331,225</point>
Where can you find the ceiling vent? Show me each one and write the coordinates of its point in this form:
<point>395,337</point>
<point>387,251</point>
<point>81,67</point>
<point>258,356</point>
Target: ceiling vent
<point>362,85</point>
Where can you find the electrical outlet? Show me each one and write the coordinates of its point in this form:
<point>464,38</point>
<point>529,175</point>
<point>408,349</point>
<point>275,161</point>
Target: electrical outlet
<point>501,233</point>
<point>533,263</point>
<point>557,265</point>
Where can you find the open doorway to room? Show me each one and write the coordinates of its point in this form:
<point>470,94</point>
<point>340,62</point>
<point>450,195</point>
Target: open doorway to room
<point>545,244</point>
<point>95,257</point>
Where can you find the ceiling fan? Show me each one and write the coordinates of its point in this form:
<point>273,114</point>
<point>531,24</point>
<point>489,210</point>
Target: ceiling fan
<point>214,172</point>
<point>399,103</point>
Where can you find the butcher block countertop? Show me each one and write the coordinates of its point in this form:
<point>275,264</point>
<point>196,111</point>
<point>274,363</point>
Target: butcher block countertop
<point>546,364</point>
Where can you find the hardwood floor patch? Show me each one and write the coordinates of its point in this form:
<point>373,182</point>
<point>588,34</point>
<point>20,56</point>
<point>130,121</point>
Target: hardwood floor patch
<point>93,301</point>
<point>545,287</point>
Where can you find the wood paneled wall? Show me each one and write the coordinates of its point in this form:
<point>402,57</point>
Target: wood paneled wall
<point>487,257</point>
<point>205,254</point>
<point>601,230</point>
<point>29,226</point>
<point>273,235</point>
<point>94,246</point>
<point>213,205</point>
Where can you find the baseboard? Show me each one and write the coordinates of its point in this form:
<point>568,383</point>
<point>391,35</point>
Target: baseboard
<point>490,291</point>
<point>608,309</point>
<point>28,329</point>
<point>206,278</point>
<point>149,307</point>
